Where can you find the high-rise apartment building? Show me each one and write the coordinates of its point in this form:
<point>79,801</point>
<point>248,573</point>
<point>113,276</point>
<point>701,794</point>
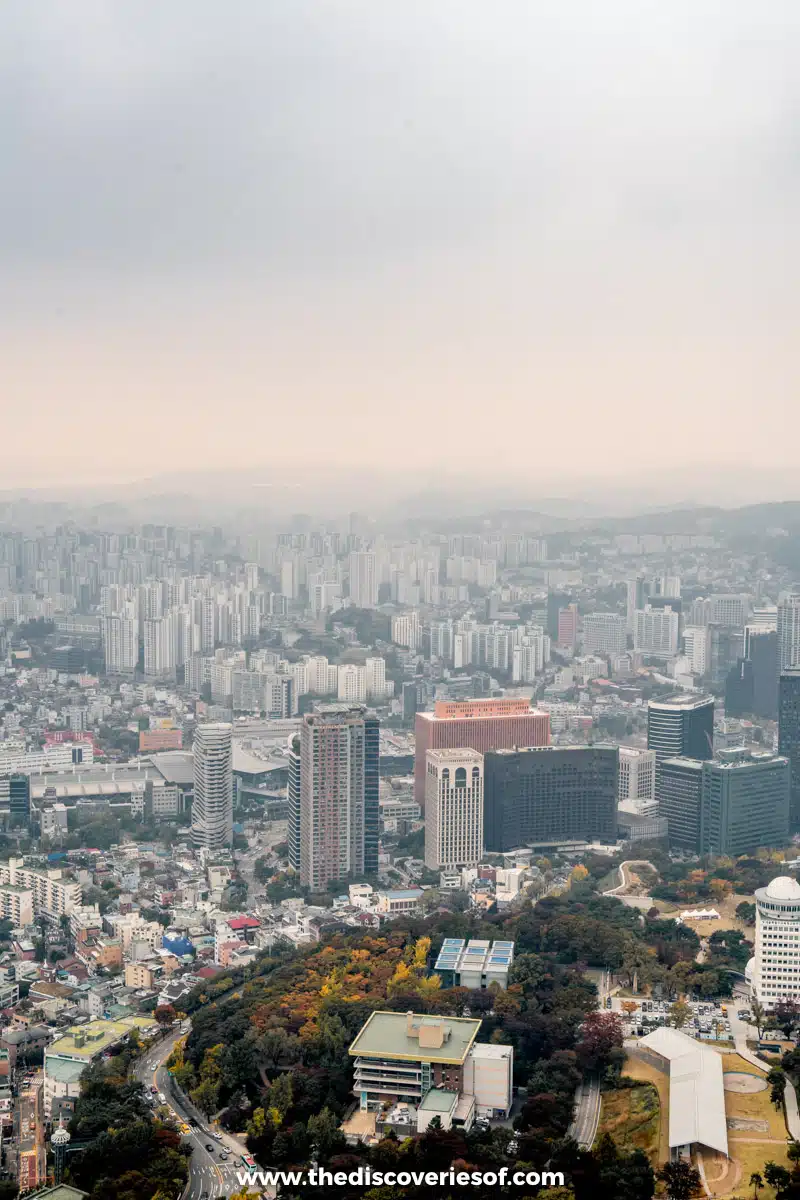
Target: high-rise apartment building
<point>453,808</point>
<point>788,627</point>
<point>637,780</point>
<point>352,684</point>
<point>120,643</point>
<point>476,725</point>
<point>656,631</point>
<point>549,795</point>
<point>604,633</point>
<point>212,808</point>
<point>745,803</point>
<point>776,962</point>
<point>363,579</point>
<point>681,727</point>
<point>406,631</point>
<point>697,648</point>
<point>568,627</point>
<point>789,735</point>
<point>339,810</point>
<point>293,799</point>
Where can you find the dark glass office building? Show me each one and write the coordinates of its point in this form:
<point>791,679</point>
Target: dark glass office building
<point>681,792</point>
<point>789,735</point>
<point>745,803</point>
<point>681,728</point>
<point>547,795</point>
<point>761,648</point>
<point>19,800</point>
<point>740,690</point>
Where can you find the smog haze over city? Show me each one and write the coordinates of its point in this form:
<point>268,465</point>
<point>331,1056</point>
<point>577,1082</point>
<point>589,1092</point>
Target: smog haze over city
<point>399,600</point>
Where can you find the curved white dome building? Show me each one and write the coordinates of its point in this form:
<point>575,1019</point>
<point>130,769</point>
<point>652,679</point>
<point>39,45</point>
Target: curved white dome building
<point>776,964</point>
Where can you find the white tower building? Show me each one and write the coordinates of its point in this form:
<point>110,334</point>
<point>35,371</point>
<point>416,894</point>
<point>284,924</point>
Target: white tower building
<point>212,809</point>
<point>774,971</point>
<point>453,808</point>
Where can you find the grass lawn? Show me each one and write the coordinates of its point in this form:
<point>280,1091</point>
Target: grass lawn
<point>636,1117</point>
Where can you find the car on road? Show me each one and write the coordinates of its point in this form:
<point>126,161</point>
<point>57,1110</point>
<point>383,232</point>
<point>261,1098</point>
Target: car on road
<point>209,1148</point>
<point>154,1091</point>
<point>224,1155</point>
<point>217,1136</point>
<point>162,1099</point>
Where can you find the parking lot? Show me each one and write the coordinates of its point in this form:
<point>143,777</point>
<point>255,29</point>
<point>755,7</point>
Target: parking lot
<point>709,1020</point>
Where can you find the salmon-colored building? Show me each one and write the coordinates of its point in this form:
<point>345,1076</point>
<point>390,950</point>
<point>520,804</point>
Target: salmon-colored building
<point>495,724</point>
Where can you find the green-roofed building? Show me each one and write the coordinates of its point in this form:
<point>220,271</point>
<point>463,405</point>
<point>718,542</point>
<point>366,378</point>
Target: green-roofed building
<point>402,1056</point>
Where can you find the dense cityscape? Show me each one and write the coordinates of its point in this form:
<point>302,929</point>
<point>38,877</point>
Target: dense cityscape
<point>333,845</point>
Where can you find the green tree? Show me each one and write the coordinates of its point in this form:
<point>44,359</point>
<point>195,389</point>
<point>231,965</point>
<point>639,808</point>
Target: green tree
<point>756,1183</point>
<point>679,1014</point>
<point>681,1179</point>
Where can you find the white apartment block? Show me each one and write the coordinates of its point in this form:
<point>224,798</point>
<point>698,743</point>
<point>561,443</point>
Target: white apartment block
<point>363,579</point>
<point>788,625</point>
<point>697,648</point>
<point>405,630</point>
<point>637,780</point>
<point>656,631</point>
<point>375,669</point>
<point>120,632</point>
<point>352,684</point>
<point>16,905</point>
<point>604,633</point>
<point>54,896</point>
<point>60,756</point>
<point>453,808</point>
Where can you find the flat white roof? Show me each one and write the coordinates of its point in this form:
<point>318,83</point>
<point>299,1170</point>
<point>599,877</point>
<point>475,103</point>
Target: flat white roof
<point>696,1092</point>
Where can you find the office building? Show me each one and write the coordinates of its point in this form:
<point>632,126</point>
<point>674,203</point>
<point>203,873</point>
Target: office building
<point>604,633</point>
<point>637,780</point>
<point>212,808</point>
<point>656,631</point>
<point>789,735</point>
<point>432,1064</point>
<point>739,689</point>
<point>730,610</point>
<point>681,791</point>
<point>568,627</point>
<point>774,969</point>
<point>636,598</point>
<point>339,808</point>
<point>476,725</point>
<point>788,629</point>
<point>19,801</point>
<point>682,727</point>
<point>761,649</point>
<point>363,579</point>
<point>474,964</point>
<point>726,647</point>
<point>745,803</point>
<point>453,809</point>
<point>555,602</point>
<point>549,796</point>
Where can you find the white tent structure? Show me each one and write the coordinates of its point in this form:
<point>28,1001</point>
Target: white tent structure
<point>696,1092</point>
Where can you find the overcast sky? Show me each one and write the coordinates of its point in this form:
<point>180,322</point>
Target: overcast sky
<point>545,240</point>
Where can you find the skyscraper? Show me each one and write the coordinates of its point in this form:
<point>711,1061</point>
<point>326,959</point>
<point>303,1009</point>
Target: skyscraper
<point>19,800</point>
<point>453,808</point>
<point>363,579</point>
<point>339,811</point>
<point>549,795</point>
<point>212,808</point>
<point>656,630</point>
<point>761,648</point>
<point>776,969</point>
<point>121,642</point>
<point>476,725</point>
<point>681,727</point>
<point>568,627</point>
<point>745,803</point>
<point>788,631</point>
<point>293,798</point>
<point>789,736</point>
<point>637,780</point>
<point>604,633</point>
<point>680,797</point>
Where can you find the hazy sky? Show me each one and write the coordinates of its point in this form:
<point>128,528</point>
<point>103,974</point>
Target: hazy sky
<point>524,239</point>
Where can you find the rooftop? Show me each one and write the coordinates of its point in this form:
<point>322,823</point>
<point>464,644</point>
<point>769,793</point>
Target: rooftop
<point>439,1100</point>
<point>403,1035</point>
<point>696,1093</point>
<point>476,955</point>
<point>782,888</point>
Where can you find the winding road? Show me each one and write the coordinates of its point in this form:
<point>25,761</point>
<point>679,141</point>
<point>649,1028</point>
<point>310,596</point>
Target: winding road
<point>208,1176</point>
<point>587,1114</point>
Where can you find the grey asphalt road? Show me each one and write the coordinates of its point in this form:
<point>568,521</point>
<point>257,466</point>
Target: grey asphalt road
<point>209,1176</point>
